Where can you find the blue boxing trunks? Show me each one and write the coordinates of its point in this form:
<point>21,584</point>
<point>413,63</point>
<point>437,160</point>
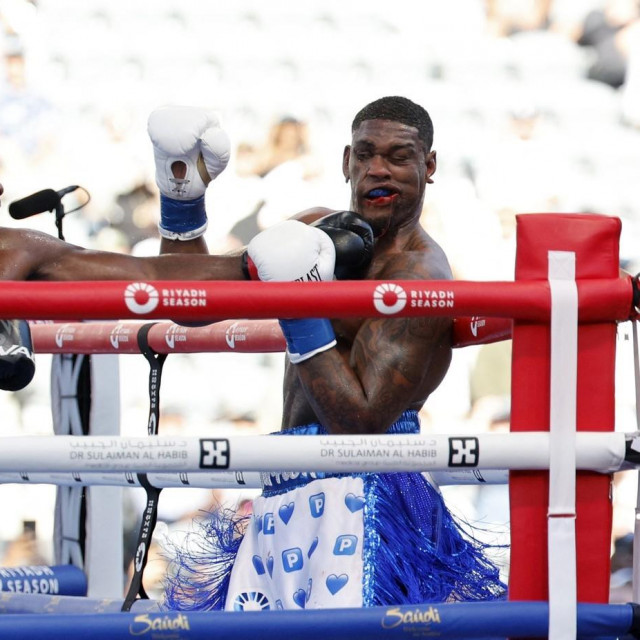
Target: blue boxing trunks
<point>321,540</point>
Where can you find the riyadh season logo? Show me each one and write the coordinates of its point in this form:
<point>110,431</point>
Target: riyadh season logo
<point>119,334</point>
<point>65,333</point>
<point>175,333</point>
<point>475,324</point>
<point>389,298</point>
<point>235,333</point>
<point>141,297</point>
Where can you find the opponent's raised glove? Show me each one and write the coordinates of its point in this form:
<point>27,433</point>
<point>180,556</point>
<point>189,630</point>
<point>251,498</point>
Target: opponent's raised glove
<point>17,361</point>
<point>353,239</point>
<point>192,136</point>
<point>295,252</point>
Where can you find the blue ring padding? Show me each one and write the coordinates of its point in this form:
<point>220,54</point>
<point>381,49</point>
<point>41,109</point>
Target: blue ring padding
<point>64,579</point>
<point>17,603</point>
<point>468,620</point>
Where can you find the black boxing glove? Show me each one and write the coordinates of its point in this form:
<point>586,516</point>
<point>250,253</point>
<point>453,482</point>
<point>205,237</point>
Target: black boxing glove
<point>17,361</point>
<point>353,239</point>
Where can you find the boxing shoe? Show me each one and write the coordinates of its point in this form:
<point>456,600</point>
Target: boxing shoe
<point>190,150</point>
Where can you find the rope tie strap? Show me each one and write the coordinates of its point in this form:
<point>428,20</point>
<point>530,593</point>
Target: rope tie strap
<point>150,514</point>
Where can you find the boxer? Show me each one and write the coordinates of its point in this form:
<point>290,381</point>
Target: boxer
<point>339,540</point>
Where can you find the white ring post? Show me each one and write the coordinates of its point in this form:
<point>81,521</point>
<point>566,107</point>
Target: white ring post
<point>104,553</point>
<point>99,553</point>
<point>65,372</point>
<point>635,575</point>
<point>562,447</point>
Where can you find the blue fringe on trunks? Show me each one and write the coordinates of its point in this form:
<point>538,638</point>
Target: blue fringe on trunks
<point>414,550</point>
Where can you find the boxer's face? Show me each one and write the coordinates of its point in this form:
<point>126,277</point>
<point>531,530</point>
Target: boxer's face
<point>388,167</point>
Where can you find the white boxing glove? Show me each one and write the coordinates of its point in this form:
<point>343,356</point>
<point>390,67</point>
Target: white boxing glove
<point>190,150</point>
<point>290,251</point>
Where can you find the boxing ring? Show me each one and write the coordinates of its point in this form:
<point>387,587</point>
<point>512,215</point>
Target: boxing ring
<point>561,313</point>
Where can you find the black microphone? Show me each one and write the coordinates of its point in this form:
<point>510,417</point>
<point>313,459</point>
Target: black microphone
<point>45,200</point>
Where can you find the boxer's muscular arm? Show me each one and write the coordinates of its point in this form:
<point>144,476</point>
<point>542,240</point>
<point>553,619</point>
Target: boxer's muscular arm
<point>30,255</point>
<point>393,365</point>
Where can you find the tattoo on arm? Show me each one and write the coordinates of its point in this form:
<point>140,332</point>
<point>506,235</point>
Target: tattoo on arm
<point>391,365</point>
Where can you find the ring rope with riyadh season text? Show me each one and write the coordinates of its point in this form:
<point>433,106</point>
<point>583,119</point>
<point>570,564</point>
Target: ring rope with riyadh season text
<point>233,336</point>
<point>599,299</point>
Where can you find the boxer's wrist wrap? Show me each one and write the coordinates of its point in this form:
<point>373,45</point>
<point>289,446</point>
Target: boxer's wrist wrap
<point>182,219</point>
<point>306,337</point>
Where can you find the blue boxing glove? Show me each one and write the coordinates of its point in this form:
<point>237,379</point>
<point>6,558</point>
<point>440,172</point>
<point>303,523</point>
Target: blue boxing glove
<point>190,150</point>
<point>17,362</point>
<point>306,337</point>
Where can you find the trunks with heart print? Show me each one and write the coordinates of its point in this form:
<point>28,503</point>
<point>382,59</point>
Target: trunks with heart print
<point>338,540</point>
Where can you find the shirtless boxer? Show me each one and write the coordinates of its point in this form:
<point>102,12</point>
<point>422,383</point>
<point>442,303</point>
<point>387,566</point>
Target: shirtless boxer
<point>315,540</point>
<point>319,540</point>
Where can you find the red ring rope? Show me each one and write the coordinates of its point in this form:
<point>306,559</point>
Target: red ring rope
<point>239,336</point>
<point>599,299</point>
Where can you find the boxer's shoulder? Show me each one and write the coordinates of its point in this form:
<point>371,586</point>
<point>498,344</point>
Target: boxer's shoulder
<point>309,216</point>
<point>421,258</point>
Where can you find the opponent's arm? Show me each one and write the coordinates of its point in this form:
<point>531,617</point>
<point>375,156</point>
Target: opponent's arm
<point>393,364</point>
<point>294,252</point>
<point>27,254</point>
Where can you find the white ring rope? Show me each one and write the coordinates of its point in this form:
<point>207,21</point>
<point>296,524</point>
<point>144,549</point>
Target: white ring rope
<point>216,479</point>
<point>597,451</point>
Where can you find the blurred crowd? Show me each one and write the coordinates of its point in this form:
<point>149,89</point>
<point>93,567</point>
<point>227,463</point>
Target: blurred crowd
<point>536,106</point>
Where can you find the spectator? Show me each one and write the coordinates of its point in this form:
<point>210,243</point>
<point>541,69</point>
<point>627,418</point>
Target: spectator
<point>287,168</point>
<point>609,32</point>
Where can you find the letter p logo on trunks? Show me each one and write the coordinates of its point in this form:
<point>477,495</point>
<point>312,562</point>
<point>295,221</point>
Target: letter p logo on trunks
<point>292,559</point>
<point>345,545</point>
<point>316,505</point>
